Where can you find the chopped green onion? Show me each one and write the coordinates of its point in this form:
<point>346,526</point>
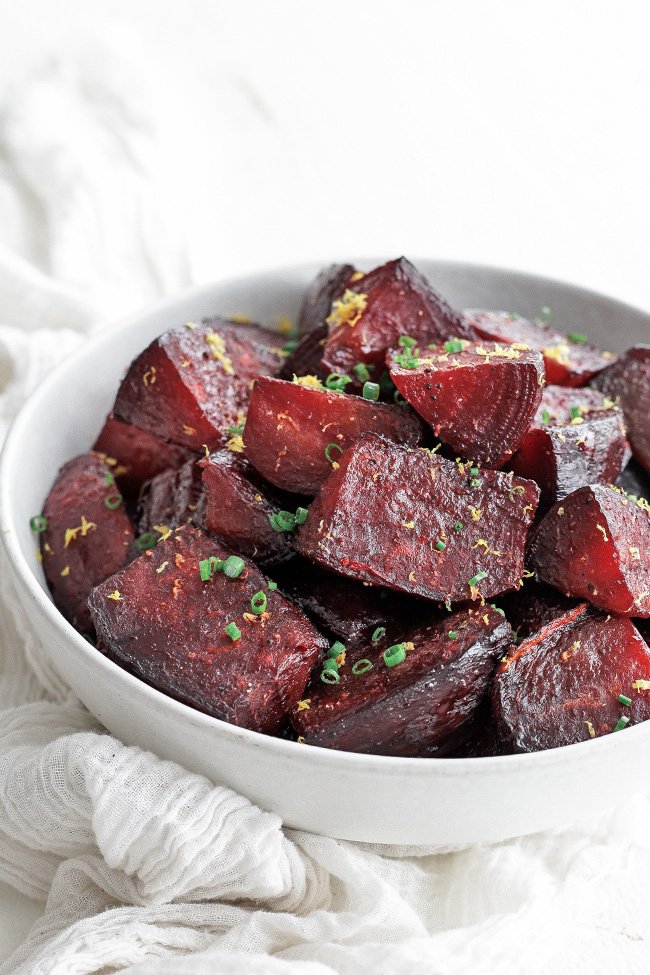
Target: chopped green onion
<point>578,338</point>
<point>474,482</point>
<point>408,360</point>
<point>237,430</point>
<point>301,516</point>
<point>330,676</point>
<point>406,341</point>
<point>453,634</point>
<point>328,450</point>
<point>208,567</point>
<point>282,521</point>
<point>272,585</point>
<point>113,501</point>
<point>108,479</point>
<point>362,371</point>
<point>233,566</point>
<point>330,664</point>
<point>258,603</point>
<point>146,541</point>
<point>336,649</point>
<point>574,412</point>
<point>395,655</point>
<point>458,527</point>
<point>378,634</point>
<point>440,545</point>
<point>336,382</point>
<point>546,416</point>
<point>622,721</point>
<point>497,609</point>
<point>454,345</point>
<point>477,578</point>
<point>370,391</point>
<point>38,523</point>
<point>624,699</point>
<point>233,631</point>
<point>474,471</point>
<point>361,667</point>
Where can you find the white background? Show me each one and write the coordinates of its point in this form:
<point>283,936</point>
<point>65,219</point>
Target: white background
<point>503,132</point>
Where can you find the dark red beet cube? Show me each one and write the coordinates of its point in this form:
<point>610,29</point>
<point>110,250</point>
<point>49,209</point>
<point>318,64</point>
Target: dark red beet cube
<point>375,310</point>
<point>134,455</point>
<point>295,435</point>
<point>479,398</point>
<point>192,384</point>
<point>562,684</point>
<point>594,545</point>
<point>577,438</point>
<point>532,607</point>
<point>567,362</point>
<point>629,380</point>
<point>324,289</point>
<point>413,521</point>
<point>88,535</point>
<point>172,499</point>
<point>417,706</point>
<point>238,506</point>
<point>159,619</point>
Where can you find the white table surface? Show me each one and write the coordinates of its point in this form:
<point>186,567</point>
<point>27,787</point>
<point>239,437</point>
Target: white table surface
<point>504,133</point>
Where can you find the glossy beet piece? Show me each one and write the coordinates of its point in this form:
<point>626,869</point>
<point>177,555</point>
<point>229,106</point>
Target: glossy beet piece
<point>325,288</point>
<point>417,706</point>
<point>532,607</point>
<point>567,363</point>
<point>577,438</point>
<point>594,545</point>
<point>158,619</point>
<point>479,400</point>
<point>172,499</point>
<point>634,480</point>
<point>392,300</point>
<point>238,505</point>
<point>85,541</point>
<point>562,685</point>
<point>479,738</point>
<point>629,379</point>
<point>305,360</point>
<point>388,516</point>
<point>192,384</point>
<point>347,609</point>
<point>136,456</point>
<point>290,427</point>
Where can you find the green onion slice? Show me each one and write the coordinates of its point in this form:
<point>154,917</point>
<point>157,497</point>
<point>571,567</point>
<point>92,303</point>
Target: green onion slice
<point>440,545</point>
<point>113,501</point>
<point>258,603</point>
<point>361,667</point>
<point>378,634</point>
<point>330,676</point>
<point>146,541</point>
<point>453,345</point>
<point>578,338</point>
<point>38,523</point>
<point>624,699</point>
<point>336,648</point>
<point>622,721</point>
<point>233,631</point>
<point>330,664</point>
<point>458,527</point>
<point>362,371</point>
<point>328,451</point>
<point>395,655</point>
<point>453,634</point>
<point>272,585</point>
<point>477,578</point>
<point>370,391</point>
<point>300,516</point>
<point>233,566</point>
<point>337,382</point>
<point>546,416</point>
<point>406,341</point>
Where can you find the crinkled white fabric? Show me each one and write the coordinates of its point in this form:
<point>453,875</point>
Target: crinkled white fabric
<point>142,866</point>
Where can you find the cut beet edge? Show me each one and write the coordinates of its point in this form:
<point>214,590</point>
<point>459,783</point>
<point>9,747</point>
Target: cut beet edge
<point>134,455</point>
<point>629,380</point>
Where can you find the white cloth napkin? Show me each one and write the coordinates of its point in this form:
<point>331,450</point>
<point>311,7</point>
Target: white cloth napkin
<point>142,866</point>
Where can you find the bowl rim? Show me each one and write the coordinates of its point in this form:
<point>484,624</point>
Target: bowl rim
<point>282,748</point>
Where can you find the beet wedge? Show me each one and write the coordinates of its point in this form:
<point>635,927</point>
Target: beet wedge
<point>532,607</point>
<point>164,623</point>
<point>412,521</point>
<point>172,499</point>
<point>419,705</point>
<point>569,360</point>
<point>563,684</point>
<point>88,535</point>
<point>192,384</point>
<point>479,398</point>
<point>629,380</point>
<point>577,438</point>
<point>324,289</point>
<point>594,545</point>
<point>239,506</point>
<point>296,434</point>
<point>136,456</point>
<point>305,360</point>
<point>392,300</point>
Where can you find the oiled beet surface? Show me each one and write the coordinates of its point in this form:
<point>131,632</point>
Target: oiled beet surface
<point>577,438</point>
<point>172,499</point>
<point>594,545</point>
<point>160,620</point>
<point>532,607</point>
<point>629,379</point>
<point>391,300</point>
<point>383,514</point>
<point>290,427</point>
<point>566,363</point>
<point>324,289</point>
<point>85,540</point>
<point>192,384</point>
<point>479,400</point>
<point>238,505</point>
<point>416,707</point>
<point>562,684</point>
<point>136,456</point>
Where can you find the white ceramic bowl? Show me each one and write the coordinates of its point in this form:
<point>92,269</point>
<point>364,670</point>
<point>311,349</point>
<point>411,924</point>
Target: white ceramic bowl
<point>446,802</point>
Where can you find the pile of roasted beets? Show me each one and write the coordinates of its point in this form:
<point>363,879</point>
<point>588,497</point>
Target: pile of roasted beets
<point>407,531</point>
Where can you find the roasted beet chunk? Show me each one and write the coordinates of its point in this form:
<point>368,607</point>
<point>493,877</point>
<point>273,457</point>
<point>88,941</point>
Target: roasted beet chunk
<point>305,360</point>
<point>412,707</point>
<point>192,384</point>
<point>532,607</point>
<point>295,434</point>
<point>564,684</point>
<point>203,642</point>
<point>239,508</point>
<point>172,499</point>
<point>480,398</point>
<point>594,544</point>
<point>412,521</point>
<point>375,310</point>
<point>88,535</point>
<point>629,379</point>
<point>134,455</point>
<point>568,359</point>
<point>577,438</point>
<point>325,288</point>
